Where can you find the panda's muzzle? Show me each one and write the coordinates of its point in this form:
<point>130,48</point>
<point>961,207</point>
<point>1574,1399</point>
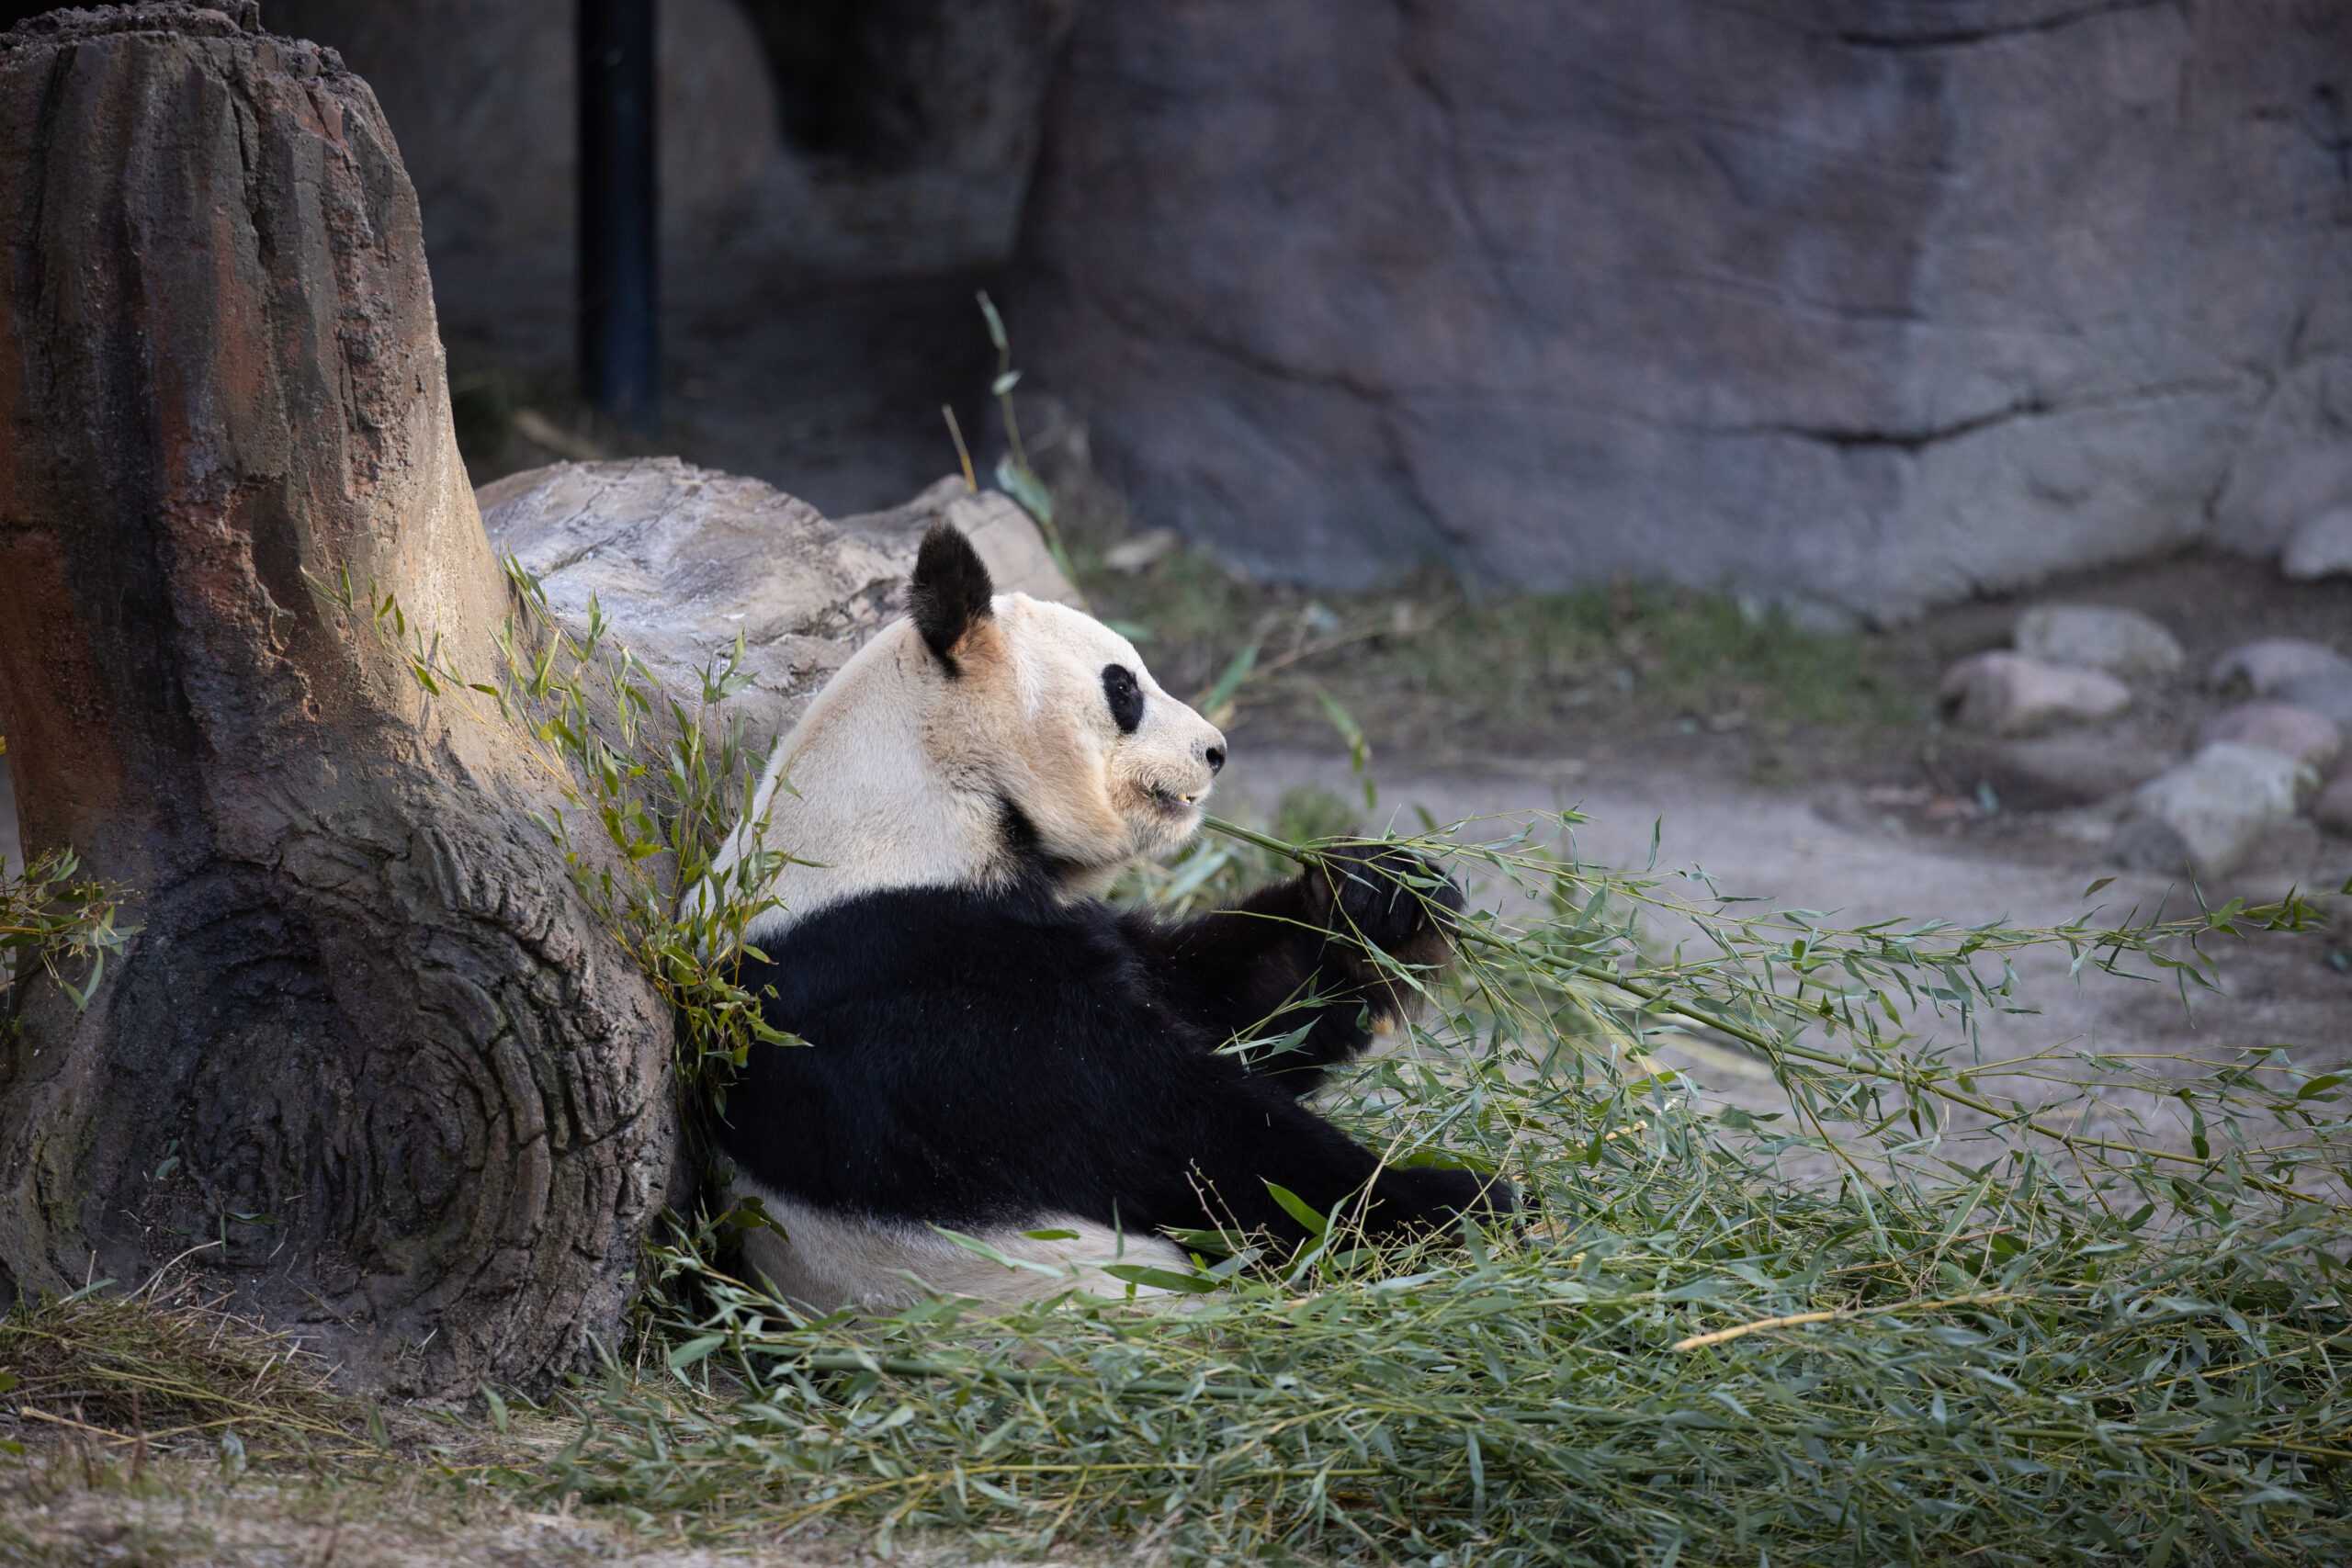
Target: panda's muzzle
<point>1181,794</point>
<point>1173,800</point>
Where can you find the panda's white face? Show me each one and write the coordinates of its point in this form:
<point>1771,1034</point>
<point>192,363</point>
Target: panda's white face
<point>1080,740</point>
<point>983,737</point>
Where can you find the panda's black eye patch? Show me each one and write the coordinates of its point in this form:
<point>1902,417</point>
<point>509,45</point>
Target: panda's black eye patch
<point>1125,696</point>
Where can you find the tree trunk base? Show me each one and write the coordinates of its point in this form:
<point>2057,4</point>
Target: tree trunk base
<point>369,1062</point>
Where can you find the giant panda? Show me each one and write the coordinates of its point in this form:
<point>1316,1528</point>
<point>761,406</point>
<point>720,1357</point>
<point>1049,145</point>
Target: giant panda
<point>993,1050</point>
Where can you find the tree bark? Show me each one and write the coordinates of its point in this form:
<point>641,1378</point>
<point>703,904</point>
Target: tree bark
<point>370,1049</point>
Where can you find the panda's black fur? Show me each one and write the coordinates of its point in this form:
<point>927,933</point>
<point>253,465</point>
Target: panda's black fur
<point>981,1057</point>
<point>991,1056</point>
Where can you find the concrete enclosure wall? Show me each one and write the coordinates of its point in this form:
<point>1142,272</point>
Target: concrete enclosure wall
<point>1862,304</point>
<point>481,94</point>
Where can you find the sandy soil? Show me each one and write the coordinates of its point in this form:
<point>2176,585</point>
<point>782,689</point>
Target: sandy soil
<point>1802,851</point>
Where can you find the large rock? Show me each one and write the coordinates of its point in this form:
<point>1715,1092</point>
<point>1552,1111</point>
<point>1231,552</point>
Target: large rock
<point>682,560</point>
<point>1880,302</point>
<point>2208,815</point>
<point>2011,695</point>
<point>2263,667</point>
<point>2321,547</point>
<point>2093,636</point>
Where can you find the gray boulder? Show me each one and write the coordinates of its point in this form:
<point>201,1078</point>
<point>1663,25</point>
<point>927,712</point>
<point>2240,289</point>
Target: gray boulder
<point>2263,667</point>
<point>2011,694</point>
<point>2321,547</point>
<point>682,560</point>
<point>2208,815</point>
<point>2092,636</point>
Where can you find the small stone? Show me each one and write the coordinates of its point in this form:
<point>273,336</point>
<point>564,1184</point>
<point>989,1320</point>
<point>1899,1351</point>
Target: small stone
<point>2321,547</point>
<point>2092,636</point>
<point>2009,693</point>
<point>2263,667</point>
<point>2327,693</point>
<point>2053,771</point>
<point>2309,737</point>
<point>1143,552</point>
<point>2208,815</point>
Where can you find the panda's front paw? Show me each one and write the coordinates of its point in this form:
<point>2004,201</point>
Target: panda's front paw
<point>1392,898</point>
<point>1420,1201</point>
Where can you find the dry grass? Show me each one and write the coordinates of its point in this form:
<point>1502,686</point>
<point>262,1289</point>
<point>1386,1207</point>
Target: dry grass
<point>158,1428</point>
<point>165,1365</point>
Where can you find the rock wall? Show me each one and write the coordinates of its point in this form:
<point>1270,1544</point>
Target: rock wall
<point>1866,305</point>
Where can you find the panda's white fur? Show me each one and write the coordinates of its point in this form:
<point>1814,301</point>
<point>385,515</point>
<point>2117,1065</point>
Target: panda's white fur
<point>898,773</point>
<point>828,1261</point>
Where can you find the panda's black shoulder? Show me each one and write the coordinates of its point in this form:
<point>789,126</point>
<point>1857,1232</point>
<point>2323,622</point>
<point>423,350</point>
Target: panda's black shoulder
<point>915,939</point>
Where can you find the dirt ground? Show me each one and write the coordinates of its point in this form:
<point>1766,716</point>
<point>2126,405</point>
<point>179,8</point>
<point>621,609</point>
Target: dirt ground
<point>187,1515</point>
<point>1856,798</point>
<point>1879,812</point>
<point>83,1499</point>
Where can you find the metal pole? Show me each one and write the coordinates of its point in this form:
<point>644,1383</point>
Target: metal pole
<point>620,356</point>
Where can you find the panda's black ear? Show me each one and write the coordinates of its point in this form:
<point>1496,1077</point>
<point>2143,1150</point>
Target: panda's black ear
<point>951,590</point>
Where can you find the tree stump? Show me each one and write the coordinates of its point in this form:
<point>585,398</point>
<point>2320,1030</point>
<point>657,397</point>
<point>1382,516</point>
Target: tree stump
<point>369,1051</point>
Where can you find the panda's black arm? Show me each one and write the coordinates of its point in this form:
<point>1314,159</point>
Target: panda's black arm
<point>1291,956</point>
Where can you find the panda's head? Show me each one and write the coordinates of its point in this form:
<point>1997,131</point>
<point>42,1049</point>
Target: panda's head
<point>1053,712</point>
<point>985,737</point>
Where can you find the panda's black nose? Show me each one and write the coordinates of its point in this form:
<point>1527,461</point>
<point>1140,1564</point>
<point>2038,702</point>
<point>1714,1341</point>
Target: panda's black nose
<point>1215,755</point>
